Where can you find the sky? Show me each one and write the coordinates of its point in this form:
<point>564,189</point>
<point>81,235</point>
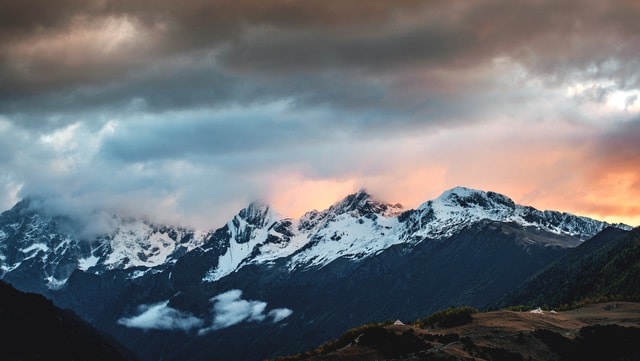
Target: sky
<point>186,111</point>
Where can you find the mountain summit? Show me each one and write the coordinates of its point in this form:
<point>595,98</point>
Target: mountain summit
<point>458,207</point>
<point>362,203</point>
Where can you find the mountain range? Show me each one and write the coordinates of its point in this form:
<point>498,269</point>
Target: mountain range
<point>264,285</point>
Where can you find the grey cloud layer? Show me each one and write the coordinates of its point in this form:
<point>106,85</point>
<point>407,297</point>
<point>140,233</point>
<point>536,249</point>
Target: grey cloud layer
<point>212,101</point>
<point>245,48</point>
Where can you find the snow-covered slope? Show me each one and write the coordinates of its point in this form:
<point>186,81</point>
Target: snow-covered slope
<point>256,231</point>
<point>45,246</point>
<point>459,207</point>
<point>355,227</point>
<point>36,245</point>
<point>359,226</point>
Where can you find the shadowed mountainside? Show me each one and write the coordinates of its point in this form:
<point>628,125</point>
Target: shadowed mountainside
<point>604,267</point>
<point>34,329</point>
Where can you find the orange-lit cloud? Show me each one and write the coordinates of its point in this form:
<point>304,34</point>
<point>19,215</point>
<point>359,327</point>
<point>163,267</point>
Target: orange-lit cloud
<point>293,196</point>
<point>546,166</point>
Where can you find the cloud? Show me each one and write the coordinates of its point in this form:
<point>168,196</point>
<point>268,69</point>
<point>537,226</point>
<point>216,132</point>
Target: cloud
<point>160,316</point>
<point>204,53</point>
<point>66,46</point>
<point>184,113</point>
<point>279,314</point>
<point>230,309</point>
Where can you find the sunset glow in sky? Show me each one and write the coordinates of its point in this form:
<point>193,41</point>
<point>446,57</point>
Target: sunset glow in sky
<point>186,111</point>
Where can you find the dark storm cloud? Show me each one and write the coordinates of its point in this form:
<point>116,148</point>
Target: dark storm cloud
<point>339,54</point>
<point>181,26</point>
<point>21,16</point>
<point>554,39</point>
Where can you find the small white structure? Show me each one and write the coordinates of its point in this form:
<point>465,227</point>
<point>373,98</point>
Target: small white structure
<point>537,310</point>
<point>398,322</point>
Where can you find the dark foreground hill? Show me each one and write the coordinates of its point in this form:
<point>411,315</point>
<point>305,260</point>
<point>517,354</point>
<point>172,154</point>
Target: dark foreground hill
<point>33,328</point>
<point>608,331</point>
<point>604,267</point>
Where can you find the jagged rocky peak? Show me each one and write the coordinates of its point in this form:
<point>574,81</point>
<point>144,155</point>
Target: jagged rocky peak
<point>30,205</point>
<point>359,204</point>
<point>26,214</point>
<point>460,206</point>
<point>258,214</point>
<point>468,197</point>
<point>23,205</point>
<point>362,203</point>
<point>254,221</point>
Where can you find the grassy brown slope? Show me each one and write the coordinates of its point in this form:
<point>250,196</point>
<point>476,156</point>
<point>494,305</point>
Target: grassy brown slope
<point>499,335</point>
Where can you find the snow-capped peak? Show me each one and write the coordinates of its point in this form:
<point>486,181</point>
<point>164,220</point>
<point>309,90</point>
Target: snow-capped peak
<point>258,214</point>
<point>462,197</point>
<point>362,203</point>
<point>254,231</point>
<point>356,205</point>
<point>459,207</point>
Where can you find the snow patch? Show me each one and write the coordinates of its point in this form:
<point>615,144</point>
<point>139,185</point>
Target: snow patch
<point>54,283</point>
<point>86,263</point>
<point>137,274</point>
<point>4,268</point>
<point>36,246</point>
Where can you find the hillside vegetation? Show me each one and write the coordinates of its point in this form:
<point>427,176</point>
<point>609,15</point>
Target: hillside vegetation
<point>604,268</point>
<point>598,332</point>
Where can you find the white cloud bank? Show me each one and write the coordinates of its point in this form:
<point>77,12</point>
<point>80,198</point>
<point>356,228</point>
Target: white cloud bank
<point>228,309</point>
<point>279,314</point>
<point>160,316</point>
